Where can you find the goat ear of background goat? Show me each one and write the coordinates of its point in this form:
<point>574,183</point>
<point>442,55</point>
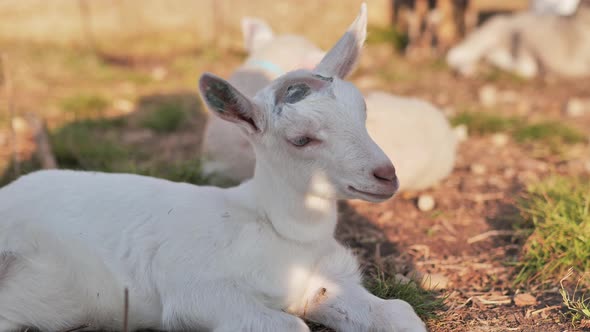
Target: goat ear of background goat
<point>229,104</point>
<point>342,58</point>
<point>256,33</point>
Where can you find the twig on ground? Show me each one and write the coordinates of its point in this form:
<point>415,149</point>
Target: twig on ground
<point>488,234</point>
<point>540,311</point>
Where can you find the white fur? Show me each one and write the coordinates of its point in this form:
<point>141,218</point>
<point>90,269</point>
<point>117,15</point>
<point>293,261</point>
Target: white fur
<point>528,42</point>
<point>257,257</point>
<point>412,133</point>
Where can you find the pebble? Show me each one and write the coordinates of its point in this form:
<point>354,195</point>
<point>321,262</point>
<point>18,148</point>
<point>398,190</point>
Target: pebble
<point>524,299</point>
<point>159,73</point>
<point>426,203</point>
<point>461,132</point>
<point>478,169</point>
<point>430,281</point>
<point>499,139</point>
<point>488,95</point>
<point>123,105</point>
<point>577,107</point>
<point>19,124</point>
<point>402,278</point>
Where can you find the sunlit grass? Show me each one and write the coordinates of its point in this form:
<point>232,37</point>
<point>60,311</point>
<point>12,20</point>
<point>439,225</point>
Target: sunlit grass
<point>557,211</point>
<point>424,302</point>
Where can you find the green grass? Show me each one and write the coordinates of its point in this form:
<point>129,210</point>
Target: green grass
<point>493,74</point>
<point>424,302</point>
<point>552,133</point>
<point>84,145</point>
<point>379,35</point>
<point>482,123</point>
<point>165,118</point>
<point>83,104</point>
<point>557,211</point>
<point>578,305</point>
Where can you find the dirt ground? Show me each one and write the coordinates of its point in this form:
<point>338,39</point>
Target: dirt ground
<point>467,243</point>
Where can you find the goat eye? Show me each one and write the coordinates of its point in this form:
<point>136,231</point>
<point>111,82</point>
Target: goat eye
<point>301,141</point>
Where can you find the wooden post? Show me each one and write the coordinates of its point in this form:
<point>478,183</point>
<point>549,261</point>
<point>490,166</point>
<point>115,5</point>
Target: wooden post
<point>6,80</point>
<point>446,27</point>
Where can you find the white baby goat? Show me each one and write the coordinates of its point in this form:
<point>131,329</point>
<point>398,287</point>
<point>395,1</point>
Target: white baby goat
<point>413,133</point>
<point>226,151</point>
<point>529,42</point>
<point>257,257</point>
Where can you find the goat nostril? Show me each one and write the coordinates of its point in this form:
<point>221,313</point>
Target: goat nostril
<point>385,173</point>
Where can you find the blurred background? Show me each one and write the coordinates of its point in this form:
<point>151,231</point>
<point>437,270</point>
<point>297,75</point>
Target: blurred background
<point>111,85</point>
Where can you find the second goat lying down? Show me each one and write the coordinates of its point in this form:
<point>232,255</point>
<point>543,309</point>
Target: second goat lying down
<point>528,44</point>
<point>414,134</point>
<point>257,257</point>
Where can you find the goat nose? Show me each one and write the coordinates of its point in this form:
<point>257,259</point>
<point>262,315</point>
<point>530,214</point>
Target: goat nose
<point>385,173</point>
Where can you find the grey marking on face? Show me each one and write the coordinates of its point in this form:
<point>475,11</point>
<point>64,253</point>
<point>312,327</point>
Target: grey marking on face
<point>294,94</point>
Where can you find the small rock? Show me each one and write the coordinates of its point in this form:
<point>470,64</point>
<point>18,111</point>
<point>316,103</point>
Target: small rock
<point>461,132</point>
<point>19,124</point>
<point>434,281</point>
<point>385,217</point>
<point>577,107</point>
<point>402,278</point>
<point>426,203</point>
<point>524,299</point>
<point>500,139</point>
<point>123,105</point>
<point>159,73</point>
<point>488,95</point>
<point>478,169</point>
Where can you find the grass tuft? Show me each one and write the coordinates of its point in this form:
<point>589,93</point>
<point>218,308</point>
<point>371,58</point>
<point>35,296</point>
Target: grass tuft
<point>558,212</point>
<point>166,118</point>
<point>84,104</point>
<point>81,146</point>
<point>578,305</point>
<point>380,35</point>
<point>424,302</point>
<point>482,123</point>
<point>552,133</point>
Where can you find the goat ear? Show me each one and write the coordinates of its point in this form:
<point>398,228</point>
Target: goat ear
<point>256,33</point>
<point>342,58</point>
<point>228,103</point>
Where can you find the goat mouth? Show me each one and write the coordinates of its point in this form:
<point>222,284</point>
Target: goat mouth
<point>369,194</point>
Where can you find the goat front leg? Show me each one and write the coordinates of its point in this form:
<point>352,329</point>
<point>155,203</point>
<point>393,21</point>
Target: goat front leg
<point>348,306</point>
<point>223,307</point>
